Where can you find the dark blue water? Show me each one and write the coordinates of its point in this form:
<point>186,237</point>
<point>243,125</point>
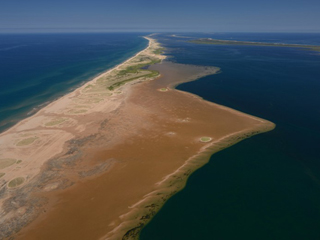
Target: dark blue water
<point>268,186</point>
<point>38,68</point>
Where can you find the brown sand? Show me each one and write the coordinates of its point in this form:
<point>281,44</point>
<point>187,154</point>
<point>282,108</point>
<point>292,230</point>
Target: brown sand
<point>160,131</point>
<point>56,132</point>
<point>124,161</point>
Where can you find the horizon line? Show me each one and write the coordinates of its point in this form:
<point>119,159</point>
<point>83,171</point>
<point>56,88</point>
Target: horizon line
<point>127,30</point>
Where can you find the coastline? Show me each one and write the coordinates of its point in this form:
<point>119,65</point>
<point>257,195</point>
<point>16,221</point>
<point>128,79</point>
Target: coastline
<point>93,79</point>
<point>66,96</point>
<point>82,72</point>
<point>91,142</point>
<point>143,211</point>
<point>20,146</point>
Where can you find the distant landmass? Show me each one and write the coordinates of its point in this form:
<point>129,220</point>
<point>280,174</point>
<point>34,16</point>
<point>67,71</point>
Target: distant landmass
<point>245,43</point>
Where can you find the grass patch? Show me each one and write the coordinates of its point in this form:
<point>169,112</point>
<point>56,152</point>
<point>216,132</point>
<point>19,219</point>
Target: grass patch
<point>55,122</point>
<point>16,182</point>
<point>7,162</point>
<point>2,174</point>
<point>137,68</point>
<point>27,141</point>
<point>150,74</point>
<point>205,139</point>
<point>158,51</point>
<point>163,89</point>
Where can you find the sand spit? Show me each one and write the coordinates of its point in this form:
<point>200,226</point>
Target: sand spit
<point>99,162</point>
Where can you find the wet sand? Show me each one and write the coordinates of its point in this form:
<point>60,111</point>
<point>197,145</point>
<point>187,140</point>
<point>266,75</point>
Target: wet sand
<point>120,159</point>
<point>159,147</point>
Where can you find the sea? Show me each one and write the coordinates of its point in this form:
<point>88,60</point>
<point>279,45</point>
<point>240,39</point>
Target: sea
<point>265,187</point>
<point>36,69</point>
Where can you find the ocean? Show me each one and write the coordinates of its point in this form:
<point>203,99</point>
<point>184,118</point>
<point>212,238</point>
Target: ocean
<point>268,186</point>
<point>36,69</point>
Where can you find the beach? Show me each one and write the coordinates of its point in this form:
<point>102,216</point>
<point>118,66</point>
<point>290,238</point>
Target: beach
<point>99,162</point>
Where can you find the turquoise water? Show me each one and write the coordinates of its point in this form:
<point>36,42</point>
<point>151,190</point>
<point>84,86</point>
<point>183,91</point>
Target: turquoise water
<point>38,68</point>
<point>268,186</point>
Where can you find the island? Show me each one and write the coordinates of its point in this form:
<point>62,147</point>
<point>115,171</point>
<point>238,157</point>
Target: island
<point>246,43</point>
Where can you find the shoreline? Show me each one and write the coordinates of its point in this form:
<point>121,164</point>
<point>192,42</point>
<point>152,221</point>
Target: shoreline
<point>108,135</point>
<point>83,86</point>
<point>20,143</point>
<point>143,211</point>
<point>41,106</point>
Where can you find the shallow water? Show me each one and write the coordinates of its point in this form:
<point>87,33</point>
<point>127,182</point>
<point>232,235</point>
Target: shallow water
<point>266,187</point>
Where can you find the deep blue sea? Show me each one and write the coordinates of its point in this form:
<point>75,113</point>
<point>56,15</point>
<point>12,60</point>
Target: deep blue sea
<point>38,68</point>
<point>268,186</point>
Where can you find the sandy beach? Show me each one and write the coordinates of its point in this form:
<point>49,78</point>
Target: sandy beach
<point>99,162</point>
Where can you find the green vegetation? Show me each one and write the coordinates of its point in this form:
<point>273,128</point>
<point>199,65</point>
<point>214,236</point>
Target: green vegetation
<point>55,122</point>
<point>163,89</point>
<point>158,51</point>
<point>136,69</point>
<point>16,182</point>
<point>6,162</point>
<point>26,141</point>
<point>205,139</point>
<point>149,74</point>
<point>2,174</point>
<point>231,42</point>
<point>19,161</point>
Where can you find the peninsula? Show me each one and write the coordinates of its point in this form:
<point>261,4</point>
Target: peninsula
<point>99,162</point>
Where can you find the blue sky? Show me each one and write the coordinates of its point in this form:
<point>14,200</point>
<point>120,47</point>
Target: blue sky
<point>163,15</point>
